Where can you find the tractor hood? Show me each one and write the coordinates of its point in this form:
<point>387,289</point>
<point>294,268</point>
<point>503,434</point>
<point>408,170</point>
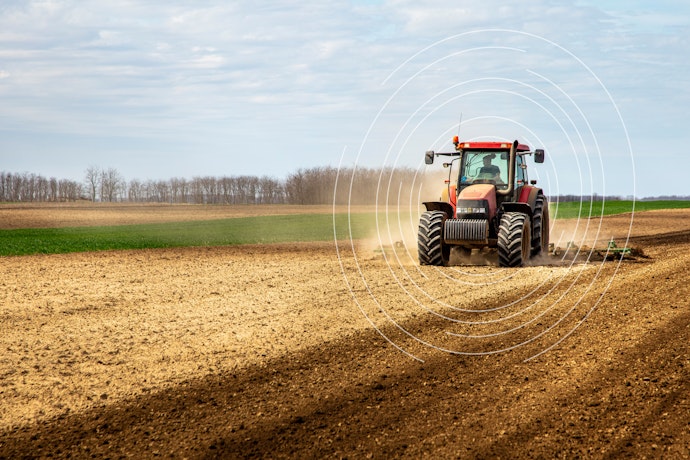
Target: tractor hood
<point>475,200</point>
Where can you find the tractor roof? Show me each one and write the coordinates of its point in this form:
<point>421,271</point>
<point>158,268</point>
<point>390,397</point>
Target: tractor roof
<point>491,146</point>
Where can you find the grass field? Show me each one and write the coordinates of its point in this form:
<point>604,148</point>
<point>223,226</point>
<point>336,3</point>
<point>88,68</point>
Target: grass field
<point>246,230</point>
<point>586,209</point>
<point>251,230</point>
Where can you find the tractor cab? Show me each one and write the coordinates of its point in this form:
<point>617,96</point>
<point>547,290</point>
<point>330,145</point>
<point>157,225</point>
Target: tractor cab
<point>500,164</point>
<point>484,167</point>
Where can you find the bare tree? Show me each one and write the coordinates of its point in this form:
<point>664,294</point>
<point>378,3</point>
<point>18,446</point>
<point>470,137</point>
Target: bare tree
<point>41,188</point>
<point>295,187</point>
<point>53,183</point>
<point>270,191</point>
<point>69,190</point>
<point>209,187</point>
<point>3,187</point>
<point>134,191</point>
<point>178,190</point>
<point>111,184</point>
<point>162,191</point>
<point>92,177</point>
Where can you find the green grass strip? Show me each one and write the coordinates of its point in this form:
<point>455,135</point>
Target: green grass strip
<point>252,230</point>
<point>586,209</point>
<point>247,230</point>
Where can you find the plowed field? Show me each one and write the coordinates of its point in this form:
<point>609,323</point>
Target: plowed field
<point>316,350</point>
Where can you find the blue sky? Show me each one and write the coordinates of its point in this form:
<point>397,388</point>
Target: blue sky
<point>163,89</point>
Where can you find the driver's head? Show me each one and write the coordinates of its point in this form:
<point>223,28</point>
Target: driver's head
<point>487,160</point>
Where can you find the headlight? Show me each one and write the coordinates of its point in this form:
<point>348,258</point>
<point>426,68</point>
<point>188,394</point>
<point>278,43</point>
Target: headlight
<point>469,210</point>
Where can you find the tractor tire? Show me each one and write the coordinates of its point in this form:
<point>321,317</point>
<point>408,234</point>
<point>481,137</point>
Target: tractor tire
<point>514,239</point>
<point>430,246</point>
<point>540,226</point>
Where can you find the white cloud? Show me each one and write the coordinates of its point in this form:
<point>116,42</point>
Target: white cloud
<point>208,61</point>
<point>110,38</point>
<point>182,73</point>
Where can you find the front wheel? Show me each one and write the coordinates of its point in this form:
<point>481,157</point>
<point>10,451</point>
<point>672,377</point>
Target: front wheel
<point>430,246</point>
<point>514,240</point>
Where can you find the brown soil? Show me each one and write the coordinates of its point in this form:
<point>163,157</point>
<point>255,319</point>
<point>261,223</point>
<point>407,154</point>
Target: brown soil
<point>269,351</point>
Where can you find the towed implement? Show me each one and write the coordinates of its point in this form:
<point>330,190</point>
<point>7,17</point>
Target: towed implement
<point>490,203</point>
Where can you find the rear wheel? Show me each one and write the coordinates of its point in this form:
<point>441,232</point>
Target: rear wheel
<point>514,240</point>
<point>430,245</point>
<point>540,234</point>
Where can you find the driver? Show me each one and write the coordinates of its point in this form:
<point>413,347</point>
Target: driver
<point>490,169</point>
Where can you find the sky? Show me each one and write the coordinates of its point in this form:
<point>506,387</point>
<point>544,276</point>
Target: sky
<point>163,89</point>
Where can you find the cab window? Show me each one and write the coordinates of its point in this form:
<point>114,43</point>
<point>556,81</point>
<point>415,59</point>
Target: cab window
<point>485,167</point>
<point>521,171</point>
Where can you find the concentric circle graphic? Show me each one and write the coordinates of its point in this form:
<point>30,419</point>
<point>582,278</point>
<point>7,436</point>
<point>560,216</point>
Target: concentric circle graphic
<point>482,85</point>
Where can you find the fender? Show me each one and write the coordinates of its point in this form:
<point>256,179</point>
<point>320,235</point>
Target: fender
<point>440,206</point>
<point>517,207</point>
<point>528,194</point>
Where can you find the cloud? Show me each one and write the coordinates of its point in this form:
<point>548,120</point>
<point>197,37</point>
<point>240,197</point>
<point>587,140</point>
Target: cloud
<point>219,76</point>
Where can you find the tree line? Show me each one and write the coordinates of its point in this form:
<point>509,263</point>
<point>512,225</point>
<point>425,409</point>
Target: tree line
<point>320,185</point>
<point>28,187</point>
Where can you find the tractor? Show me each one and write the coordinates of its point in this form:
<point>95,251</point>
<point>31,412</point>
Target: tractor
<point>490,204</point>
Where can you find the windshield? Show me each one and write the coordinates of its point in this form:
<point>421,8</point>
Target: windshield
<point>485,167</point>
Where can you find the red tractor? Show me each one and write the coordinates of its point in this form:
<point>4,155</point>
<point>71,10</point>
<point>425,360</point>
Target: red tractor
<point>490,204</point>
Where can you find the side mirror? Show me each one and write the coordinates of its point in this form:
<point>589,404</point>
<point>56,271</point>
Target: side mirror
<point>539,156</point>
<point>429,157</point>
